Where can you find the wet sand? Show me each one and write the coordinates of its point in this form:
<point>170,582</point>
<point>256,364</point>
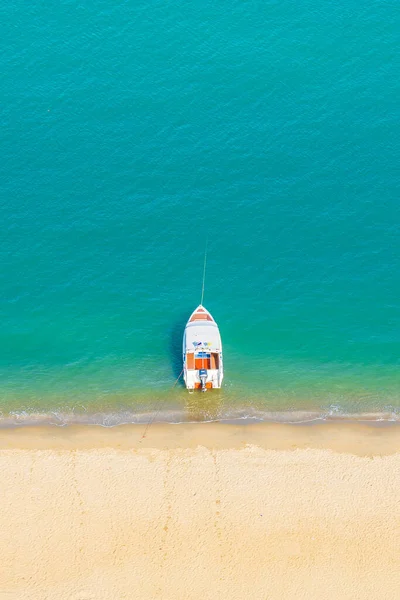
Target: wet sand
<point>204,511</point>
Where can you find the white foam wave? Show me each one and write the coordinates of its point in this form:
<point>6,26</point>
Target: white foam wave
<point>233,415</point>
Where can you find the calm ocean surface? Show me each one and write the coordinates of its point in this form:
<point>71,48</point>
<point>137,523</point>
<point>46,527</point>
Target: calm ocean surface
<point>131,132</point>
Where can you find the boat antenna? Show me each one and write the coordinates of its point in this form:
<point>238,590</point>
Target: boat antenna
<point>204,273</point>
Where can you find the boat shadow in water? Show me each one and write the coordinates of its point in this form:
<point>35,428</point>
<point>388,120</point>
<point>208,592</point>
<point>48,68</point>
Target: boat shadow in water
<point>175,347</point>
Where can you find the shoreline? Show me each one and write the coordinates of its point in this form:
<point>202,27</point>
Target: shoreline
<point>235,415</point>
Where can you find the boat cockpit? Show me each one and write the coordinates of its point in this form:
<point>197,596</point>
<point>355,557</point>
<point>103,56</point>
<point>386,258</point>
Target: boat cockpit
<point>202,360</point>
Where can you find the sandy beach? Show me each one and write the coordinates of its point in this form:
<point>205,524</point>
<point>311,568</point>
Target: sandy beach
<point>205,511</point>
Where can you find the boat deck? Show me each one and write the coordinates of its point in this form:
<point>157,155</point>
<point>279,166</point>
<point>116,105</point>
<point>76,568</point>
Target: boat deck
<point>196,364</point>
<point>200,317</point>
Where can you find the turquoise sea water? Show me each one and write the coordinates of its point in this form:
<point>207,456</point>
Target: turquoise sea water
<point>131,132</point>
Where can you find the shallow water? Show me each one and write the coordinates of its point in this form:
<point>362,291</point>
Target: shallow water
<point>131,133</point>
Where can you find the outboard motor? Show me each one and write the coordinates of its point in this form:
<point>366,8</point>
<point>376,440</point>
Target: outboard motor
<point>203,379</point>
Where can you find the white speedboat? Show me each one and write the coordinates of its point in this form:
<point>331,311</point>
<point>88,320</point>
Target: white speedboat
<point>202,352</point>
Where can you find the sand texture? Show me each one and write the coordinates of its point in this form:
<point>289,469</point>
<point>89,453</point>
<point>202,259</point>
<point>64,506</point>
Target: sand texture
<point>102,520</point>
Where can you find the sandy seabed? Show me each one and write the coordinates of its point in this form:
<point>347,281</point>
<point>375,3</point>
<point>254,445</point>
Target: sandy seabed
<point>205,511</point>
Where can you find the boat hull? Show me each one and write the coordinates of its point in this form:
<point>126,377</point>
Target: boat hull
<point>202,352</point>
